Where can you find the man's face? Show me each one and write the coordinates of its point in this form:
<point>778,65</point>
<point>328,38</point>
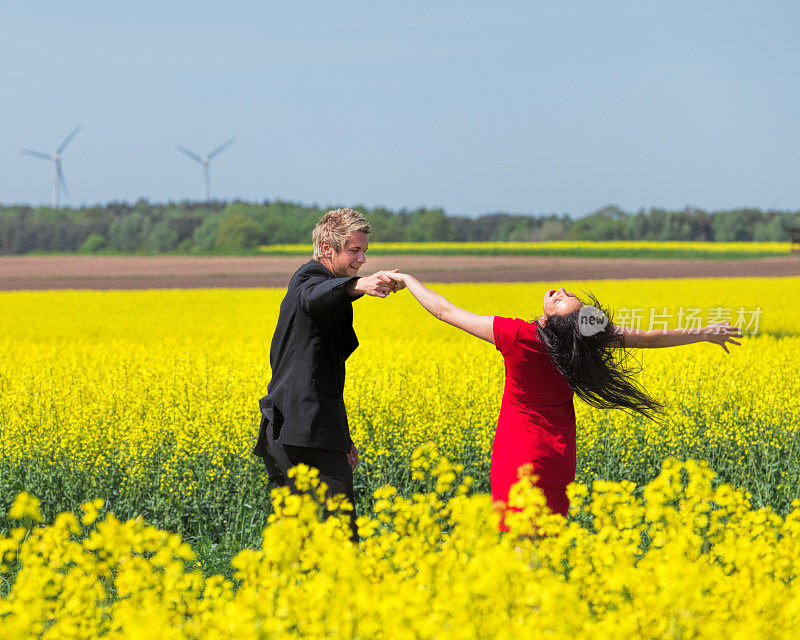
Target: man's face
<point>348,261</point>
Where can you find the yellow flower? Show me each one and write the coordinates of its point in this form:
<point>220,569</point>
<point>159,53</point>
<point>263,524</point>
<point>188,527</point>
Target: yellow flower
<point>24,506</point>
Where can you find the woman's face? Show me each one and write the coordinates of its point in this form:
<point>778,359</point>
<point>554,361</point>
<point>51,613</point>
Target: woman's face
<point>560,302</point>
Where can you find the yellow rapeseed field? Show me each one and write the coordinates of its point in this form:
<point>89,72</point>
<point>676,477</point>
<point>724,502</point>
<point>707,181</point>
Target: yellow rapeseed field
<point>566,247</point>
<point>685,560</point>
<point>148,398</point>
<point>146,401</point>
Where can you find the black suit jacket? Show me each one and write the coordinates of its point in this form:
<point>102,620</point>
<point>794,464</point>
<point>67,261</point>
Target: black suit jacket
<point>304,405</point>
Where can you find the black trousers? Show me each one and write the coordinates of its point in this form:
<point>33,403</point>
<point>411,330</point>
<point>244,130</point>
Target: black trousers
<point>334,470</point>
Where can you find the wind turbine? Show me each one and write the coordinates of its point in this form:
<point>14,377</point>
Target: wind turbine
<point>205,160</point>
<point>59,183</point>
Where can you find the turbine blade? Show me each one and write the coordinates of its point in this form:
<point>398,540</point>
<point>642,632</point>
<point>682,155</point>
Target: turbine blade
<point>68,139</point>
<point>36,154</point>
<point>220,149</point>
<point>61,180</point>
<point>191,154</point>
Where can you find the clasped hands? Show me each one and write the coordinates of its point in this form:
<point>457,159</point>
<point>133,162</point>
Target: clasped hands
<point>380,284</point>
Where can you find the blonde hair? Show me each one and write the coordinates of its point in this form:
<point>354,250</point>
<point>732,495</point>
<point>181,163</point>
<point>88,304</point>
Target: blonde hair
<point>335,227</point>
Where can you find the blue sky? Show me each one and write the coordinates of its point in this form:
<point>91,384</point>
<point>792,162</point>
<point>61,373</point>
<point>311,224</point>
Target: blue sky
<point>531,107</point>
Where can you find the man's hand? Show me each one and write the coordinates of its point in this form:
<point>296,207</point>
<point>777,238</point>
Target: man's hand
<point>352,457</point>
<point>379,284</point>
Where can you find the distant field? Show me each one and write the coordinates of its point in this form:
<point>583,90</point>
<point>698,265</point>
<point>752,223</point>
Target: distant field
<point>588,249</point>
<point>275,269</point>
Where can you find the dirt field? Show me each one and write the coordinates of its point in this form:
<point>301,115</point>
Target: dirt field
<point>103,272</point>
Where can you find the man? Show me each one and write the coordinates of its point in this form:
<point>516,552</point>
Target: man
<point>303,418</point>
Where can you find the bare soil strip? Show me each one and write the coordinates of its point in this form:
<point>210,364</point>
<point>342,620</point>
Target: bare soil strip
<point>158,272</point>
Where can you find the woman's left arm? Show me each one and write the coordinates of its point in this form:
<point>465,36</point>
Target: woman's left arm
<point>479,326</point>
<point>721,333</point>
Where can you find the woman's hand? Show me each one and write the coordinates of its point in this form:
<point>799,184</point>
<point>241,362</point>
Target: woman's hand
<point>380,284</point>
<point>721,333</point>
<point>400,278</point>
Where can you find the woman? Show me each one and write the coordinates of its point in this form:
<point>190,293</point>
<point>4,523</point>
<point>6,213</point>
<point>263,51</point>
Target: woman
<point>547,362</point>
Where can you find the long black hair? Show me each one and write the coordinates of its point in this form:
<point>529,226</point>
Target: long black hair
<point>598,367</point>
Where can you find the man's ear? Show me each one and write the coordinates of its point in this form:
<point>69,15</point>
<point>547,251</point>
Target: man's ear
<point>326,249</point>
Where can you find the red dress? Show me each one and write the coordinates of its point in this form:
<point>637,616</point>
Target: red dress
<point>537,418</point>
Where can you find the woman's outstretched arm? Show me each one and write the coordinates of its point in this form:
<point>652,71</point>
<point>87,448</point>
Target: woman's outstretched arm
<point>720,333</point>
<point>479,326</point>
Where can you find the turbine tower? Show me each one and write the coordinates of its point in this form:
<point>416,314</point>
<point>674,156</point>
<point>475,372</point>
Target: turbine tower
<point>205,160</point>
<point>59,182</point>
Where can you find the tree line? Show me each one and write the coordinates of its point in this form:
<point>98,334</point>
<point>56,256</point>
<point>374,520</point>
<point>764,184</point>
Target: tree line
<point>240,227</point>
